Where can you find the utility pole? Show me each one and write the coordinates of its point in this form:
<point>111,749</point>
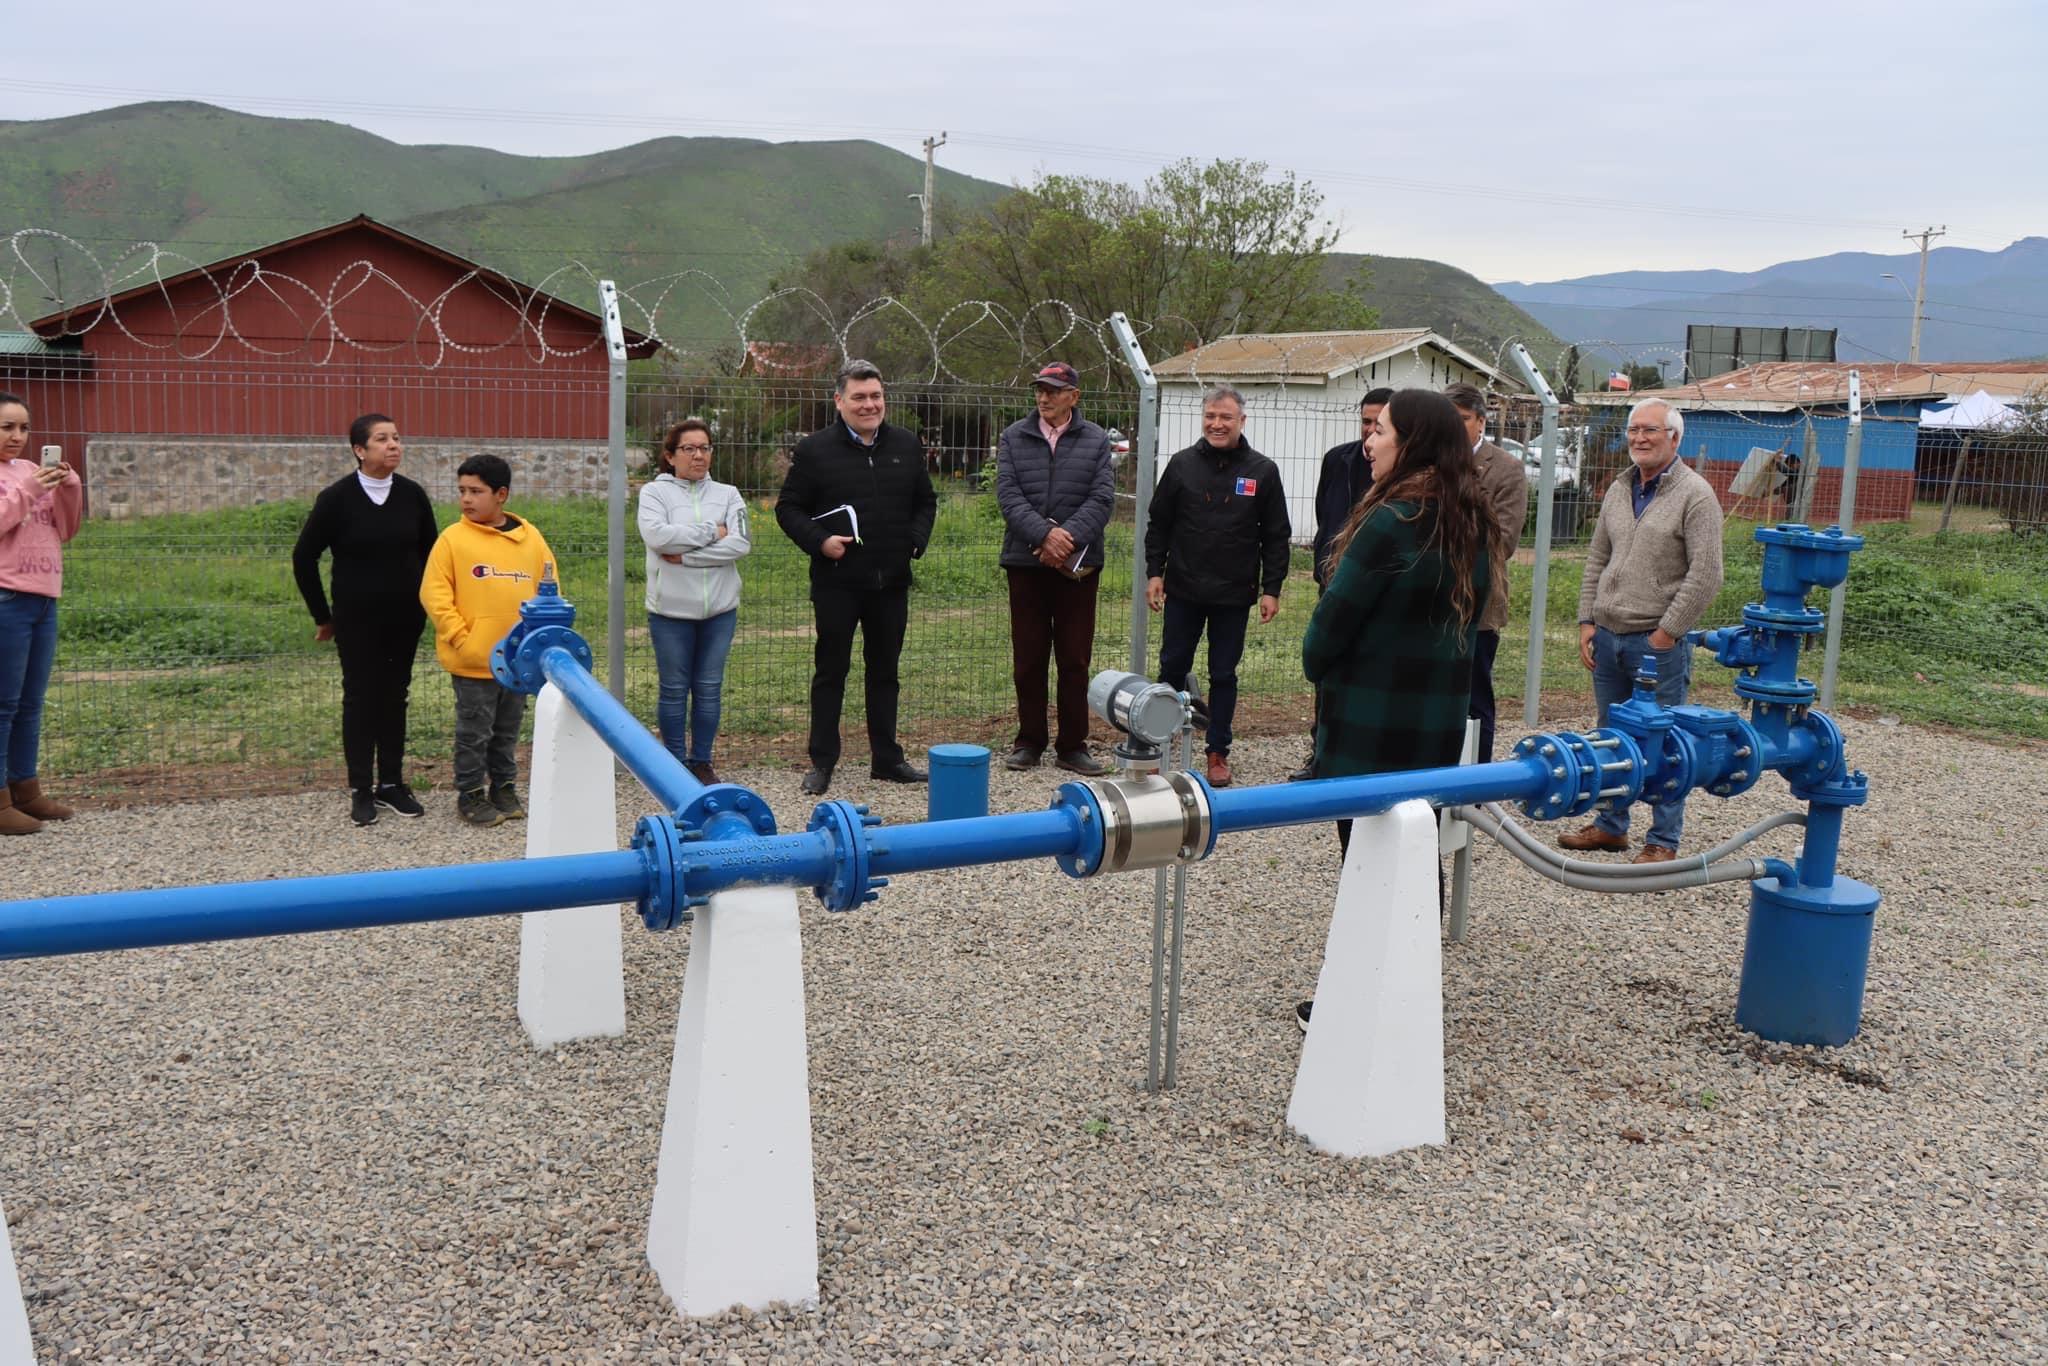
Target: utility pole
<point>1925,235</point>
<point>925,200</point>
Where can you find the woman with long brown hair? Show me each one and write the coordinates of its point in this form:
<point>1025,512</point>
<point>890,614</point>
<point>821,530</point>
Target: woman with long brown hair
<point>1390,646</point>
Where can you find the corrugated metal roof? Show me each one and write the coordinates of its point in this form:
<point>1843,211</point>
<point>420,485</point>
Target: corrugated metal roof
<point>1779,385</point>
<point>1288,355</point>
<point>25,344</point>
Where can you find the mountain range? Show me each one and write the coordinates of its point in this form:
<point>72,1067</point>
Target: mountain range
<point>712,219</point>
<point>1980,305</point>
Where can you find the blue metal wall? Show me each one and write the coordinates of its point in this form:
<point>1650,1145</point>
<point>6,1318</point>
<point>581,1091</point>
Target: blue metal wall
<point>1727,437</point>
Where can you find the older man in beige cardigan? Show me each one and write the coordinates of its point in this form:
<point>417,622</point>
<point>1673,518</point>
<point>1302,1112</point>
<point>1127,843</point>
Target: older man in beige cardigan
<point>1651,573</point>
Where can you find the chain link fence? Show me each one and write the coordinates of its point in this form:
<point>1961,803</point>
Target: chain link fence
<point>185,649</point>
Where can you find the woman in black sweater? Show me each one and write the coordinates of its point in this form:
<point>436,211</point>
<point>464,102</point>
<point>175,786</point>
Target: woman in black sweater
<point>379,526</point>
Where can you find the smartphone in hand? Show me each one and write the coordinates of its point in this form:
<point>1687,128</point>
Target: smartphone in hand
<point>52,455</point>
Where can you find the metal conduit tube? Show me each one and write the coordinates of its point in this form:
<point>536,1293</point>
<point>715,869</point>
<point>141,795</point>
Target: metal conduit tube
<point>973,840</point>
<point>1513,829</point>
<point>342,901</point>
<point>1730,870</point>
<point>644,756</point>
<point>1330,799</point>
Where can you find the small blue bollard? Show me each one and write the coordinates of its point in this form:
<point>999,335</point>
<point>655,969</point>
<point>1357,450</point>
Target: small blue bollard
<point>1805,961</point>
<point>959,785</point>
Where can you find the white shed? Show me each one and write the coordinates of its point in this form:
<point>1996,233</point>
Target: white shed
<point>1302,390</point>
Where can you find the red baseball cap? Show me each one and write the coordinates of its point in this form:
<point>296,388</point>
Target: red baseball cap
<point>1058,375</point>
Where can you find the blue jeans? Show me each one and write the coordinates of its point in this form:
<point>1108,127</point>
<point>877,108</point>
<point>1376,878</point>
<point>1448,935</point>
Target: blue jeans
<point>1615,660</point>
<point>28,647</point>
<point>689,659</point>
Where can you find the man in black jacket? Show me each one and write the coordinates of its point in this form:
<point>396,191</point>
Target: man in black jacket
<point>1216,541</point>
<point>1055,489</point>
<point>1345,478</point>
<point>859,502</point>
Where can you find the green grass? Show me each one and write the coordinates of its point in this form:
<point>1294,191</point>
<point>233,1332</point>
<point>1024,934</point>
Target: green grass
<point>183,640</point>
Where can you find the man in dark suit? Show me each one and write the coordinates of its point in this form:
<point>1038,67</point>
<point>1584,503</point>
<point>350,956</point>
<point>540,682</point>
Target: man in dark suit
<point>859,502</point>
<point>1055,489</point>
<point>1506,488</point>
<point>1344,480</point>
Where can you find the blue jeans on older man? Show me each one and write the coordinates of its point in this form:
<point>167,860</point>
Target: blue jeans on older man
<point>1616,657</point>
<point>689,662</point>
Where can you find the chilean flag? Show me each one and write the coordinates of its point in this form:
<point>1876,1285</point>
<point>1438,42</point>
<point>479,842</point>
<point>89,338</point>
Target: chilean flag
<point>1247,488</point>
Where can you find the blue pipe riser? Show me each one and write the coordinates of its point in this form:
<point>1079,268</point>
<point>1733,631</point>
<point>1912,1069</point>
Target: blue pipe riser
<point>972,840</point>
<point>1805,960</point>
<point>344,901</point>
<point>645,757</point>
<point>1332,799</point>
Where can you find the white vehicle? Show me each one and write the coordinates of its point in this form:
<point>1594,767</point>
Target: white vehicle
<point>1531,456</point>
<point>1119,447</point>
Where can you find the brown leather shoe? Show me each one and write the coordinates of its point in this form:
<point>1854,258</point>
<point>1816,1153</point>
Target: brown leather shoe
<point>28,796</point>
<point>1655,853</point>
<point>1593,837</point>
<point>1219,770</point>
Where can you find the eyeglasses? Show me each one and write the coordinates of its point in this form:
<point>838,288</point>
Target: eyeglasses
<point>1647,431</point>
<point>692,450</point>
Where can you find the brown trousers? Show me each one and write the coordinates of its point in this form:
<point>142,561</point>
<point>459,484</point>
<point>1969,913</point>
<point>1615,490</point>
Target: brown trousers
<point>1051,615</point>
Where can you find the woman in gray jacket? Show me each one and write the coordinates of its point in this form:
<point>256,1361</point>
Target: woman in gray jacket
<point>695,529</point>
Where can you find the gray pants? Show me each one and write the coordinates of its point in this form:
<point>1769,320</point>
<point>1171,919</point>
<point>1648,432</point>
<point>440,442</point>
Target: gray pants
<point>487,717</point>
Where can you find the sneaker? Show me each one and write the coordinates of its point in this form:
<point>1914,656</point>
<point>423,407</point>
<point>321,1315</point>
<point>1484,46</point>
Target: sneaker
<point>362,807</point>
<point>1301,1014</point>
<point>475,807</point>
<point>398,797</point>
<point>505,798</point>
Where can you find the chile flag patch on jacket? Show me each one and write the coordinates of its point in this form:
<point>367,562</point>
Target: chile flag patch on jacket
<point>1247,488</point>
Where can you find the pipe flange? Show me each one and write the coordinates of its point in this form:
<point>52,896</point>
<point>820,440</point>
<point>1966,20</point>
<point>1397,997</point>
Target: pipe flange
<point>846,826</point>
<point>665,903</point>
<point>1571,771</point>
<point>1149,820</point>
<point>515,660</point>
<point>1094,820</point>
<point>723,804</point>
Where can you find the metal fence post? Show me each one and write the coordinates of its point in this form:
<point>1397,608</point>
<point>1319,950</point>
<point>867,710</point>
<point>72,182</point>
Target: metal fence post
<point>1539,577</point>
<point>615,490</point>
<point>1145,473</point>
<point>1852,453</point>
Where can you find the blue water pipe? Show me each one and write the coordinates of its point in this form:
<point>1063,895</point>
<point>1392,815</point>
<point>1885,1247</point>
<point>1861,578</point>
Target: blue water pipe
<point>1809,931</point>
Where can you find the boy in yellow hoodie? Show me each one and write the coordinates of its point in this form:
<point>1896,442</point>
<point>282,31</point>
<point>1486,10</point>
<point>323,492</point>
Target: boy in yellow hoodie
<point>478,573</point>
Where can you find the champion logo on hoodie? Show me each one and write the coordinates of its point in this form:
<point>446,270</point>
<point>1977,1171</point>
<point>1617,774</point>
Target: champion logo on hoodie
<point>486,571</point>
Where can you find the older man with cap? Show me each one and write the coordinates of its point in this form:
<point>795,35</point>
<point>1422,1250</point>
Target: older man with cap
<point>1055,489</point>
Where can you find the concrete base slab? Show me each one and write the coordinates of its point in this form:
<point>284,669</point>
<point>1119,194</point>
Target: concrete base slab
<point>14,1343</point>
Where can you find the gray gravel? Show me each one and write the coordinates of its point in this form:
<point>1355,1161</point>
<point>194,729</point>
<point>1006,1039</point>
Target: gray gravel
<point>339,1148</point>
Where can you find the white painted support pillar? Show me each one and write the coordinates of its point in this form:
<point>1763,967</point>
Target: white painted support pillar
<point>14,1343</point>
<point>735,1218</point>
<point>1371,1079</point>
<point>572,982</point>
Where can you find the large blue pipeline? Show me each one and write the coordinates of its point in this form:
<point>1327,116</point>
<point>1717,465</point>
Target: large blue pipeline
<point>1809,932</point>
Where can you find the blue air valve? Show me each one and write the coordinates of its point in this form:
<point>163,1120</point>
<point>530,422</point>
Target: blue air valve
<point>1764,650</point>
<point>546,619</point>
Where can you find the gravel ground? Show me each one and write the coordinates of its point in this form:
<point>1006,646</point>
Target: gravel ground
<point>339,1147</point>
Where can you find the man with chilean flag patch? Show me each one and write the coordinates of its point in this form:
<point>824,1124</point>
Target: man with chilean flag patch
<point>1216,543</point>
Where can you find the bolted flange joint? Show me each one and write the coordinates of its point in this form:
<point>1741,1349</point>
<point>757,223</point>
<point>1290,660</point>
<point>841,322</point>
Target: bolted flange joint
<point>845,826</point>
<point>727,811</point>
<point>665,903</point>
<point>1581,771</point>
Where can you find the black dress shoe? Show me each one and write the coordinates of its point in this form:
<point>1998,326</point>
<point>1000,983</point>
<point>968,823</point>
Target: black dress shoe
<point>1082,762</point>
<point>1304,773</point>
<point>898,772</point>
<point>817,780</point>
<point>1022,757</point>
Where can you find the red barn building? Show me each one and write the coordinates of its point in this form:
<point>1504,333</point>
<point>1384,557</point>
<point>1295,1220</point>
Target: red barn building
<point>234,383</point>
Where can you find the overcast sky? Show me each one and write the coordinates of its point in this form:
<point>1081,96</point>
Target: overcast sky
<point>1517,141</point>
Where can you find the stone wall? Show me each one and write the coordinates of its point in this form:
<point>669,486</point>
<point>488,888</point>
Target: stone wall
<point>141,476</point>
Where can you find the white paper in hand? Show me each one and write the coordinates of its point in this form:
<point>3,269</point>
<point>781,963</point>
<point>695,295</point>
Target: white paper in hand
<point>852,519</point>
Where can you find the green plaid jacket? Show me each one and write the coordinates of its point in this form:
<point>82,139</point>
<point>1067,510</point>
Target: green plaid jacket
<point>1393,671</point>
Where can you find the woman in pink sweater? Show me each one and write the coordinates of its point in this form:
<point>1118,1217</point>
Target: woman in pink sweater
<point>39,511</point>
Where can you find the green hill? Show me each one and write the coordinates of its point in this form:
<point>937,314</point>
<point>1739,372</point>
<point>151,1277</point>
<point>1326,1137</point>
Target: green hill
<point>207,183</point>
<point>1409,291</point>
